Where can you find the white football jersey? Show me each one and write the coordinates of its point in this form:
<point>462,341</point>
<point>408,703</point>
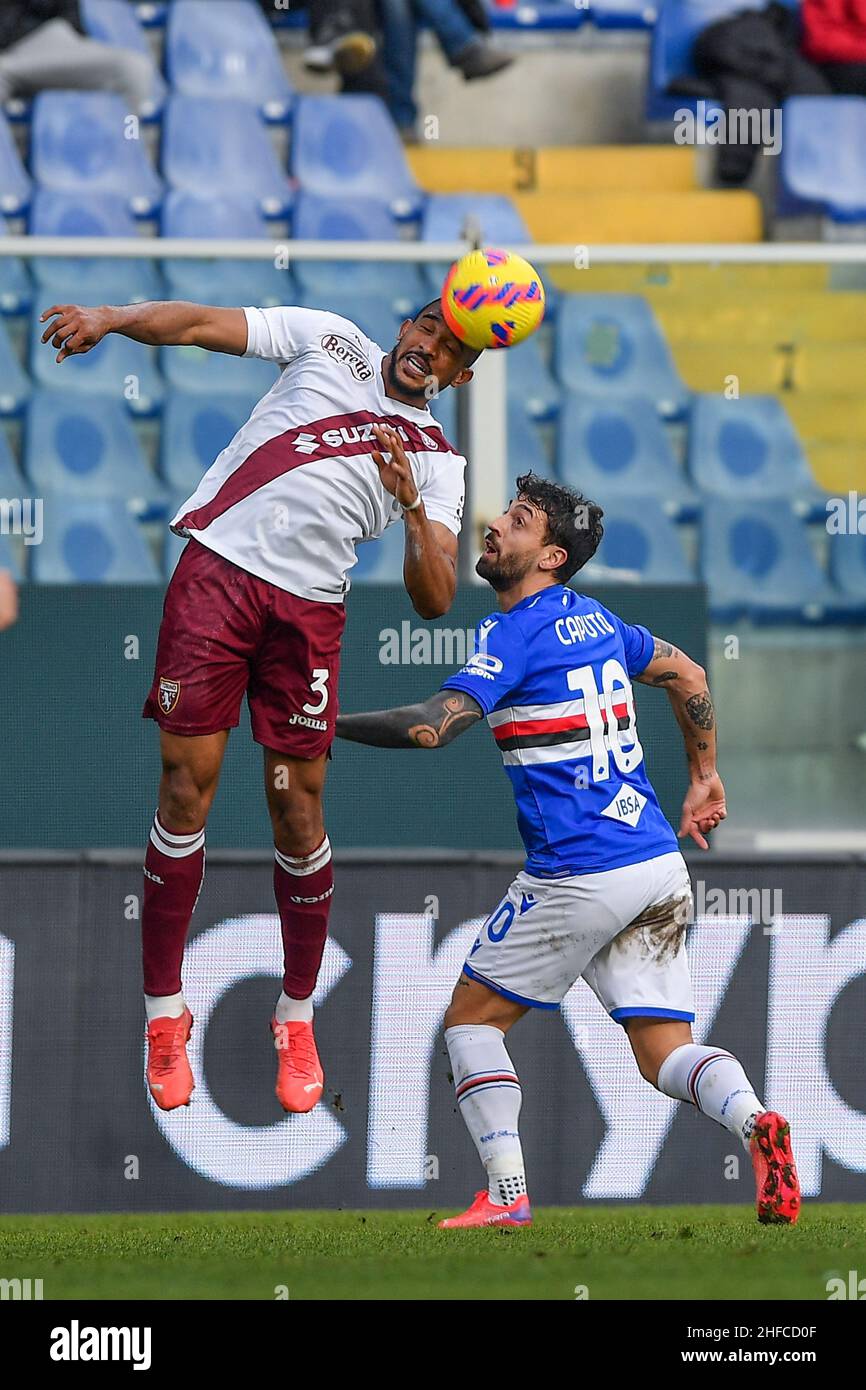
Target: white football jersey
<point>297,488</point>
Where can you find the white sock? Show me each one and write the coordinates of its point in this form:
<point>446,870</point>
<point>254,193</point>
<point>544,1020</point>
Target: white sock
<point>290,1010</point>
<point>715,1083</point>
<point>163,1006</point>
<point>488,1093</point>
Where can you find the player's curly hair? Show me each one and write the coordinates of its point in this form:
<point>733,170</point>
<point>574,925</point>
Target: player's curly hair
<point>572,520</point>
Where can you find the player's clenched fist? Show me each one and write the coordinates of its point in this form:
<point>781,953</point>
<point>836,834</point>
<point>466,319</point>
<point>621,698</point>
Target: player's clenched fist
<point>74,329</point>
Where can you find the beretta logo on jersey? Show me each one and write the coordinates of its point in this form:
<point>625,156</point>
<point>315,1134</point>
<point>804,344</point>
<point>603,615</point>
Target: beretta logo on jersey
<point>169,694</point>
<point>351,356</point>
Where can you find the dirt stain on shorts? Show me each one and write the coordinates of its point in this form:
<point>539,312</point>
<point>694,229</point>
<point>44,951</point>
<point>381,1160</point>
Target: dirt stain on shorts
<point>660,929</point>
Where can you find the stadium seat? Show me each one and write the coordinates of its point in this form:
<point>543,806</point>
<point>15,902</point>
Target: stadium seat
<point>91,540</point>
<point>88,447</point>
<point>105,281</point>
<point>211,144</point>
<point>78,145</point>
<point>640,544</point>
<point>15,385</point>
<point>528,380</point>
<point>8,560</point>
<point>226,51</point>
<point>16,287</point>
<point>381,561</point>
<point>526,447</point>
<point>199,372</point>
<point>624,14</point>
<point>732,215</point>
<point>612,450</point>
<point>542,15</point>
<point>847,553</point>
<point>186,214</point>
<point>194,430</point>
<point>348,147</point>
<point>356,219</point>
<point>496,220</point>
<point>757,561</point>
<point>677,26</point>
<point>749,448</point>
<point>821,167</point>
<point>115,22</point>
<point>11,480</point>
<point>759,369</point>
<point>15,187</point>
<point>117,369</point>
<point>610,345</point>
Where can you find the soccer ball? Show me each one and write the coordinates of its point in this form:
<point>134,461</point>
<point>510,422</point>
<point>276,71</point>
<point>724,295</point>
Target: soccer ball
<point>492,299</point>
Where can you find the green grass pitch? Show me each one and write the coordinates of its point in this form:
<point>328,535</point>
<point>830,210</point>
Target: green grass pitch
<point>628,1252</point>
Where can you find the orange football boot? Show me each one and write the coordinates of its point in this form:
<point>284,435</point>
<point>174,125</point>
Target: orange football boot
<point>169,1076</point>
<point>300,1078</point>
<point>775,1173</point>
<point>483,1212</point>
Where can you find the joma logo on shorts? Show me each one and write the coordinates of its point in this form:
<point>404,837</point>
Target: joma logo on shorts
<point>309,723</point>
<point>347,353</point>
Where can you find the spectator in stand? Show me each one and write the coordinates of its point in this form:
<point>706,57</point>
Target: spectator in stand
<point>43,44</point>
<point>834,38</point>
<point>462,31</point>
<point>342,36</point>
<point>8,600</point>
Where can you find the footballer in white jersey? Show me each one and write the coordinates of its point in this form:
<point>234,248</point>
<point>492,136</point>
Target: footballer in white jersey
<point>341,447</point>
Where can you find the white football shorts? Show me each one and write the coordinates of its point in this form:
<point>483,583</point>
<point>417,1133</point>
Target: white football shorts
<point>622,930</point>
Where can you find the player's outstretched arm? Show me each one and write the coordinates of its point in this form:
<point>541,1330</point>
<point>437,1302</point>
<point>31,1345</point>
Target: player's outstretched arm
<point>75,328</point>
<point>686,684</point>
<point>430,725</point>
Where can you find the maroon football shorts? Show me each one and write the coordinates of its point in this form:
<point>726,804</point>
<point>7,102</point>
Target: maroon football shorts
<point>225,631</point>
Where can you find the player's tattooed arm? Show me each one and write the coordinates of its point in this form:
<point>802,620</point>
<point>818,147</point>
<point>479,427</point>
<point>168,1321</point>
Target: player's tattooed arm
<point>433,724</point>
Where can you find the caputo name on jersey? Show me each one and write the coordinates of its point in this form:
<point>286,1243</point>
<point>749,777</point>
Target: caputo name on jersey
<point>578,626</point>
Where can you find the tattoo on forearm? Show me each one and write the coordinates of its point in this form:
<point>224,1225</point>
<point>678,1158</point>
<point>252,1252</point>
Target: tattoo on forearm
<point>451,716</point>
<point>431,725</point>
<point>661,648</point>
<point>700,710</point>
<point>664,678</point>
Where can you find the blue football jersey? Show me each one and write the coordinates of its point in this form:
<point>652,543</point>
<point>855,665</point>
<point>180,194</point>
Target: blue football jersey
<point>553,678</point>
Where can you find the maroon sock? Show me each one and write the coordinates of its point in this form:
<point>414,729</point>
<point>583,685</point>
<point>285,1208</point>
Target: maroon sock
<point>303,889</point>
<point>173,875</point>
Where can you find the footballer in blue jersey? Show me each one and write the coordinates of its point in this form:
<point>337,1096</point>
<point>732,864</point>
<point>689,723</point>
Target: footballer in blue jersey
<point>605,893</point>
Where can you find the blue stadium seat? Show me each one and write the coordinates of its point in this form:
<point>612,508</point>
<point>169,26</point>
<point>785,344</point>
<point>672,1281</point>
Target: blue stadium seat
<point>640,544</point>
<point>211,144</point>
<point>624,14</point>
<point>499,223</point>
<point>348,147</point>
<point>757,560</point>
<point>678,24</point>
<point>16,287</point>
<point>186,214</point>
<point>88,447</point>
<point>381,561</point>
<point>11,480</point>
<point>15,385</point>
<point>529,382</point>
<point>226,50</point>
<point>820,169</point>
<point>8,560</point>
<point>373,315</point>
<point>610,345</point>
<point>848,564</point>
<point>117,369</point>
<point>91,540</point>
<point>78,146</point>
<point>108,281</point>
<point>540,15</point>
<point>194,430</point>
<point>749,448</point>
<point>15,187</point>
<point>199,372</point>
<point>612,450</point>
<point>526,448</point>
<point>355,219</point>
<point>115,22</point>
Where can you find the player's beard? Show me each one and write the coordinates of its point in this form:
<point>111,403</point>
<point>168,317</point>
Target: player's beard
<point>503,571</point>
<point>394,382</point>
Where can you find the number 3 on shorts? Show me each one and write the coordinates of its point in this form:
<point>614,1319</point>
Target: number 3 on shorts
<point>318,686</point>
